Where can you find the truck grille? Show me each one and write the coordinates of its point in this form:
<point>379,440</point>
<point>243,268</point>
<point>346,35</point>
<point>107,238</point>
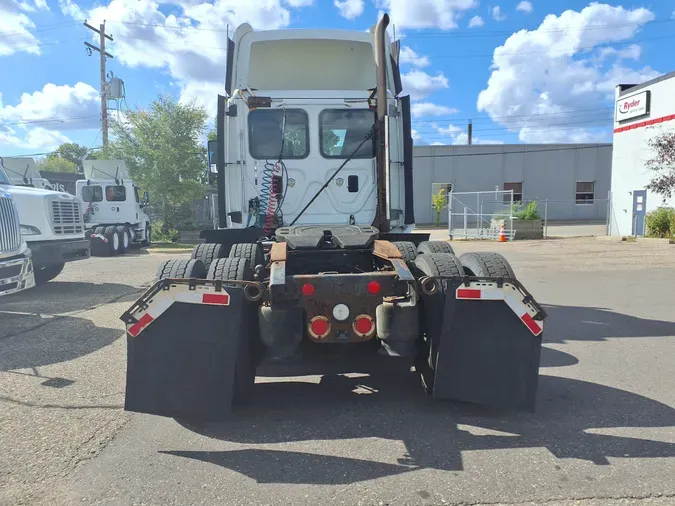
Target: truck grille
<point>10,233</point>
<point>67,217</point>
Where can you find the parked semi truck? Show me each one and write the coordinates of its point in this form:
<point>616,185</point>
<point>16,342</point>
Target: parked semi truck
<point>315,246</point>
<point>51,224</point>
<point>16,266</point>
<point>115,214</point>
<point>23,171</point>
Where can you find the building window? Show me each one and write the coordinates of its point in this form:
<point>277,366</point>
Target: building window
<point>517,192</point>
<point>445,188</point>
<point>585,192</point>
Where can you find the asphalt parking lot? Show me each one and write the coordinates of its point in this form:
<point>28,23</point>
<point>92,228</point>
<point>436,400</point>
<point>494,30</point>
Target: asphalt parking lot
<point>603,432</point>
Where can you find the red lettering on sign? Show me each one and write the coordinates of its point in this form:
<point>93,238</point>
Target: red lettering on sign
<point>628,105</point>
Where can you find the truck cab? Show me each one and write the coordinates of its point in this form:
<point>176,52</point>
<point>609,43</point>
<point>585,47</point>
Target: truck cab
<point>51,223</point>
<point>323,120</point>
<point>16,266</point>
<point>114,209</point>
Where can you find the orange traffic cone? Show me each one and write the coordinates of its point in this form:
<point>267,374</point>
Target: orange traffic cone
<point>502,234</point>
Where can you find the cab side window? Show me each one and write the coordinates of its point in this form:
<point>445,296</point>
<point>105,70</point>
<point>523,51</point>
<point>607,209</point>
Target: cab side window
<point>92,193</point>
<point>115,193</point>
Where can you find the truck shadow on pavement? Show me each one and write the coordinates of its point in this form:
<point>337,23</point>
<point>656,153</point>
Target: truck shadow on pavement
<point>389,403</point>
<point>34,331</point>
<point>572,323</point>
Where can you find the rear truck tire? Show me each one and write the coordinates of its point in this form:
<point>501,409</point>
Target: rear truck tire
<point>481,264</point>
<point>114,240</point>
<point>239,269</point>
<point>207,253</point>
<point>125,237</point>
<point>99,230</point>
<point>181,269</point>
<point>47,273</point>
<point>407,249</point>
<point>250,251</point>
<point>426,247</point>
<point>147,235</point>
<point>431,311</point>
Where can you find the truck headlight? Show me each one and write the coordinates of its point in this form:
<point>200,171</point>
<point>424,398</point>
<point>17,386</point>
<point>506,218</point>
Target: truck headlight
<point>30,230</point>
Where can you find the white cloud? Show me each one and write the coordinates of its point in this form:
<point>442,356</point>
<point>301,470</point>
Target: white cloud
<point>458,135</point>
<point>15,28</point>
<point>497,13</point>
<point>420,84</point>
<point>409,56</point>
<point>349,9</point>
<point>427,109</point>
<point>476,21</point>
<point>632,52</point>
<point>542,79</point>
<point>36,138</point>
<point>56,108</point>
<point>442,14</point>
<point>525,7</point>
<point>70,8</point>
<point>299,3</point>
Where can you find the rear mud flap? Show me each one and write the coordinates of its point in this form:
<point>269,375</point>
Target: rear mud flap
<point>182,339</point>
<point>490,345</point>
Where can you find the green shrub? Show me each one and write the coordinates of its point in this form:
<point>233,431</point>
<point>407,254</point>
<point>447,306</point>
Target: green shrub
<point>661,223</point>
<point>529,212</point>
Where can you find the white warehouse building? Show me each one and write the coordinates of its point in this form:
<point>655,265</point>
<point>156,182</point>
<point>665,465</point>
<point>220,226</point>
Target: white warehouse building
<point>643,111</point>
<point>570,182</point>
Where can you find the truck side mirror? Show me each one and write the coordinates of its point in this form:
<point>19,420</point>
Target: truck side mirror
<point>213,159</point>
<point>146,199</point>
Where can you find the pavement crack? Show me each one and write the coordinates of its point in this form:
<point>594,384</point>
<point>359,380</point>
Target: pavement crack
<point>58,406</point>
<point>560,500</point>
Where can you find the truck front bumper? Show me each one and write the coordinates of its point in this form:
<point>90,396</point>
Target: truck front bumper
<point>47,253</point>
<point>16,274</point>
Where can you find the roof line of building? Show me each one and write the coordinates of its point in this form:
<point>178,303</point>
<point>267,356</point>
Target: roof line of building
<point>631,88</point>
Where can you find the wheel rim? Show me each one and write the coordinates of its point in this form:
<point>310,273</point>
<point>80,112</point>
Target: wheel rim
<point>116,242</point>
<point>126,240</point>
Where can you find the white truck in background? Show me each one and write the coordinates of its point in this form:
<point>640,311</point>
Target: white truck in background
<point>23,171</point>
<point>114,211</point>
<point>16,266</point>
<point>51,225</point>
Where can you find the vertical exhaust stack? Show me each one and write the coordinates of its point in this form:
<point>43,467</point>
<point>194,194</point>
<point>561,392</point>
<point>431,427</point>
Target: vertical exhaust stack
<point>382,160</point>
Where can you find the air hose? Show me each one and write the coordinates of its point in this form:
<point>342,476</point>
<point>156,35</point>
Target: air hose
<point>271,185</point>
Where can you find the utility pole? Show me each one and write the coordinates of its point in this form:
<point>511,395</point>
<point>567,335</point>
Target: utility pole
<point>470,132</point>
<point>101,50</point>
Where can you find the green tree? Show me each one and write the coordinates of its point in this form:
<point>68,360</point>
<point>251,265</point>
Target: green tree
<point>72,152</point>
<point>212,136</point>
<point>162,150</point>
<point>56,164</point>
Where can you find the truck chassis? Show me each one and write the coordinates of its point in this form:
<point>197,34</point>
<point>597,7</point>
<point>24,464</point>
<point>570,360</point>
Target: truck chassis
<point>468,325</point>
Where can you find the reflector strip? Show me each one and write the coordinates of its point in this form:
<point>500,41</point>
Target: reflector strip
<point>509,294</point>
<point>164,299</point>
<point>468,293</point>
<point>143,322</point>
<point>216,298</point>
<point>531,324</point>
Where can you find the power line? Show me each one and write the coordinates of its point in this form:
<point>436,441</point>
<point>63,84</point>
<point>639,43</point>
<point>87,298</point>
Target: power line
<point>46,120</point>
<point>43,28</point>
<point>560,125</point>
<point>487,33</point>
<point>499,118</point>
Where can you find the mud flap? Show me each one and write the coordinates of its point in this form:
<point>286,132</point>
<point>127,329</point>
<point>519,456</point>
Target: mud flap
<point>182,339</point>
<point>490,345</point>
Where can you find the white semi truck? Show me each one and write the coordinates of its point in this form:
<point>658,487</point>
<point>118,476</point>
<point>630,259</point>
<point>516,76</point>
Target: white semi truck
<point>51,225</point>
<point>23,171</point>
<point>114,211</point>
<point>16,266</point>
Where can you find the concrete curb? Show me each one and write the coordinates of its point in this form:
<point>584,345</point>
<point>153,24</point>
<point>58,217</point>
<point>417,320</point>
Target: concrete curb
<point>643,240</point>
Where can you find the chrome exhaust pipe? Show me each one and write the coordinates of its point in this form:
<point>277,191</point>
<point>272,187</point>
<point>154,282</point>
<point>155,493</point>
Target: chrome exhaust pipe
<point>381,62</point>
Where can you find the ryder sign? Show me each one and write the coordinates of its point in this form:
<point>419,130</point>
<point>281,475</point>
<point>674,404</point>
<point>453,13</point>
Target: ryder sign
<point>632,106</point>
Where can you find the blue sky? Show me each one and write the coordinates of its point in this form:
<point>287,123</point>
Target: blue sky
<point>537,71</point>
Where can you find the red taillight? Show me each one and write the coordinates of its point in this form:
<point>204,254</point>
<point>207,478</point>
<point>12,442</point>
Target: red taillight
<point>373,287</point>
<point>308,289</point>
<point>363,325</point>
<point>319,327</point>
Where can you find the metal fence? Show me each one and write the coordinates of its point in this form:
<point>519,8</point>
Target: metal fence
<point>480,215</point>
